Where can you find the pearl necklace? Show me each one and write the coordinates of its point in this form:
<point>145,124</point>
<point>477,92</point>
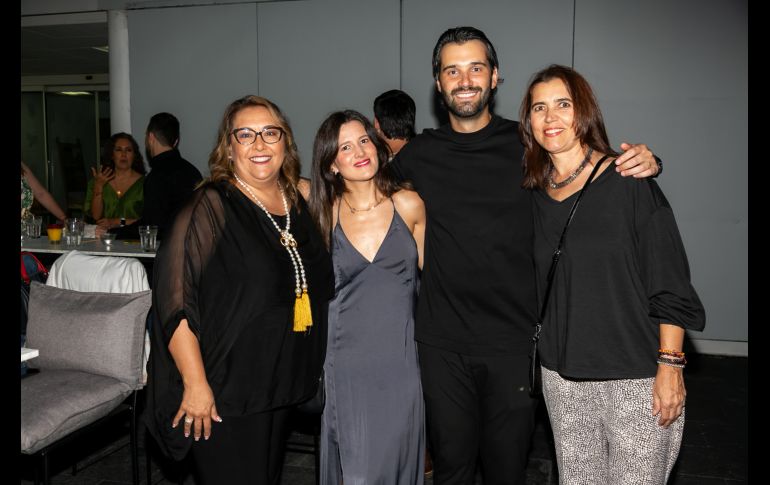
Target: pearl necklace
<point>302,317</point>
<point>572,176</point>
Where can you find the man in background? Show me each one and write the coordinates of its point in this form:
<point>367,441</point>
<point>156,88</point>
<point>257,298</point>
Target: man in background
<point>394,113</point>
<point>171,180</point>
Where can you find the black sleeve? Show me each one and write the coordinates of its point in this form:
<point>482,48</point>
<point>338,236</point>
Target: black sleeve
<point>660,165</point>
<point>130,231</point>
<point>164,195</point>
<point>182,259</point>
<point>664,267</point>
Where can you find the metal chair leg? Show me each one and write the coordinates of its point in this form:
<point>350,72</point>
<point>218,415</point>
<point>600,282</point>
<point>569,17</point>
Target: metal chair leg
<point>134,445</point>
<point>38,469</point>
<point>46,471</point>
<point>317,453</point>
<point>148,458</point>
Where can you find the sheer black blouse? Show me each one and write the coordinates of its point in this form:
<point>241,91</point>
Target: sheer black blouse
<point>222,267</point>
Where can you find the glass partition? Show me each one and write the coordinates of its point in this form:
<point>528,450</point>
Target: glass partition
<point>62,133</point>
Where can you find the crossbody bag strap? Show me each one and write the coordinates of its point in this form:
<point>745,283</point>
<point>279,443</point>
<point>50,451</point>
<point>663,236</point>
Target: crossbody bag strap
<point>557,252</point>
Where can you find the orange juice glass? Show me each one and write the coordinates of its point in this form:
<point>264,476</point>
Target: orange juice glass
<point>54,233</point>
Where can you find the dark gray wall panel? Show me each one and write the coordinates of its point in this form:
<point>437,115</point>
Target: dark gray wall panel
<point>191,62</point>
<point>319,56</point>
<point>670,74</point>
<point>526,36</point>
<point>674,75</point>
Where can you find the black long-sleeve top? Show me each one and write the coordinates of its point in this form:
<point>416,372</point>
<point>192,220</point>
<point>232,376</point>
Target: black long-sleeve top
<point>622,273</point>
<point>223,268</point>
<point>167,187</point>
<point>477,294</point>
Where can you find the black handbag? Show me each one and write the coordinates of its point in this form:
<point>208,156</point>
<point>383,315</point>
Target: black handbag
<point>315,405</point>
<point>535,373</point>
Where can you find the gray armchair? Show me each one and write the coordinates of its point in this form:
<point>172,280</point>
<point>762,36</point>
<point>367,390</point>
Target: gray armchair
<point>90,363</point>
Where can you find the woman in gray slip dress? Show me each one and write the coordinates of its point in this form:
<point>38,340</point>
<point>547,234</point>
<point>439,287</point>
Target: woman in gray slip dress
<point>372,429</point>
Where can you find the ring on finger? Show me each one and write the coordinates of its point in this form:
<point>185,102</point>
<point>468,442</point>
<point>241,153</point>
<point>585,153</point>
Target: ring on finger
<point>188,420</point>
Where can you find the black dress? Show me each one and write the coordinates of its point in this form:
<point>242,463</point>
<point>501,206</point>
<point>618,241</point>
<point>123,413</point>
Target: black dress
<point>223,268</point>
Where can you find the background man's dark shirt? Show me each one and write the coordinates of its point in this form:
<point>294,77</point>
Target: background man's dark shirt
<point>167,187</point>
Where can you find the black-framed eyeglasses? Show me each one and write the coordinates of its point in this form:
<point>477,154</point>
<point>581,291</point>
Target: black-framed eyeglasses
<point>247,136</point>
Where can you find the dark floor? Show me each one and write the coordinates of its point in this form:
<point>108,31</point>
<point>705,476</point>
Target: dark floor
<point>714,448</point>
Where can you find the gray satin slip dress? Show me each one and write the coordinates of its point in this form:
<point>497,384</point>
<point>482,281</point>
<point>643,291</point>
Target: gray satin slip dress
<point>372,429</point>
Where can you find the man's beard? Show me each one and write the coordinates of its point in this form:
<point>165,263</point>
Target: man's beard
<point>467,109</point>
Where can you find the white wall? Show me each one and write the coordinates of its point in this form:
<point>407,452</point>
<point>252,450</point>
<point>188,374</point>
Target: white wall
<point>191,62</point>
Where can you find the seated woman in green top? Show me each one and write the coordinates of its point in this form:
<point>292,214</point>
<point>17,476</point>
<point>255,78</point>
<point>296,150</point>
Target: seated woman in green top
<point>115,195</point>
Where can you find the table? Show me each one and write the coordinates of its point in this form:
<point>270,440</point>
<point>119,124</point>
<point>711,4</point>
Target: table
<point>27,353</point>
<point>96,247</point>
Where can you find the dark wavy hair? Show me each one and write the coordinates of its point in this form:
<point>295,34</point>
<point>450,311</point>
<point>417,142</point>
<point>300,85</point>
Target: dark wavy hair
<point>461,35</point>
<point>325,187</point>
<point>222,168</point>
<point>589,123</point>
<point>395,112</point>
<point>137,165</point>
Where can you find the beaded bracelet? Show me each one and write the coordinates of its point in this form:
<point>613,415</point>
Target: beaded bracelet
<point>672,362</point>
<point>675,353</point>
<point>672,358</point>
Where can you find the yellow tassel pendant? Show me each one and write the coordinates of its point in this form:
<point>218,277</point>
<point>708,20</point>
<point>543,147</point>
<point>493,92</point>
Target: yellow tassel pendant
<point>303,318</point>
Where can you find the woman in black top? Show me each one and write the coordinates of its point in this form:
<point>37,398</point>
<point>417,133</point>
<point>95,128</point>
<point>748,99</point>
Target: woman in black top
<point>611,342</point>
<point>240,295</point>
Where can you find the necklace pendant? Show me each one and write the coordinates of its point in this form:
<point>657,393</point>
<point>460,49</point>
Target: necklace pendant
<point>287,240</point>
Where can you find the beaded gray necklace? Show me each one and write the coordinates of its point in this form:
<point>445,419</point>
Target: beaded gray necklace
<point>572,176</point>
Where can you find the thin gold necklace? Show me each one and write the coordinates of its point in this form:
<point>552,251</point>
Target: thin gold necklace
<point>353,210</point>
<point>118,191</point>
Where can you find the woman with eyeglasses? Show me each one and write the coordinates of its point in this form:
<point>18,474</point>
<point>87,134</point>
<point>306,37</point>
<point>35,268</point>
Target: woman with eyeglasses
<point>115,194</point>
<point>240,294</point>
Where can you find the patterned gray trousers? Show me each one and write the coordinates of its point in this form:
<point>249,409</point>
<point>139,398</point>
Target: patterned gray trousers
<point>605,433</point>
